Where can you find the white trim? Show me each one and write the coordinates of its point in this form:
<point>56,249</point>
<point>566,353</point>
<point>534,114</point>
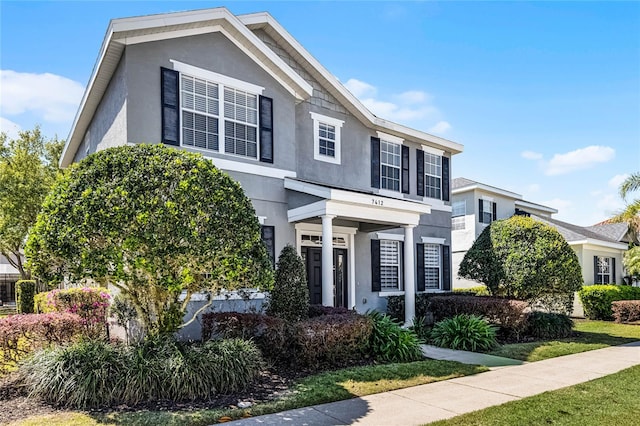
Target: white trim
<point>486,198</point>
<point>437,204</point>
<point>598,245</point>
<point>388,236</point>
<point>214,77</point>
<point>237,166</point>
<point>145,38</point>
<point>383,293</point>
<point>535,206</point>
<point>487,188</point>
<point>262,219</point>
<point>317,119</point>
<point>316,228</point>
<point>432,240</point>
<point>390,138</point>
<point>433,151</point>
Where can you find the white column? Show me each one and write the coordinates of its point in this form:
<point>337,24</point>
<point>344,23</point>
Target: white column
<point>327,260</point>
<point>409,281</point>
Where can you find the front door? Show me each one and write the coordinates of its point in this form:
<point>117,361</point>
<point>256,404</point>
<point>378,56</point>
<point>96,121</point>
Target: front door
<point>312,257</point>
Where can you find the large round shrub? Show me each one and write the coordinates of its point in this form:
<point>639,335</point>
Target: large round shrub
<point>290,295</point>
<point>527,260</point>
<point>154,222</point>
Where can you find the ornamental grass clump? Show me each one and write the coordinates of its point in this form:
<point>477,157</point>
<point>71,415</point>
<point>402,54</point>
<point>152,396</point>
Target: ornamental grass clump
<point>464,332</point>
<point>392,343</point>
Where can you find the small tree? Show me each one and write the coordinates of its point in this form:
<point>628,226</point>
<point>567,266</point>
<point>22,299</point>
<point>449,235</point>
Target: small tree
<point>290,294</point>
<point>154,222</point>
<point>524,259</point>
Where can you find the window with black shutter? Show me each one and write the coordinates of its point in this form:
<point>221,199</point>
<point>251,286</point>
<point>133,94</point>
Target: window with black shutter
<point>375,162</point>
<point>170,99</point>
<point>267,233</point>
<point>266,129</point>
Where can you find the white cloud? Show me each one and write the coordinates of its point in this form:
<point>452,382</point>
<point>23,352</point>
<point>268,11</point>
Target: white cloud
<point>615,181</point>
<point>412,107</point>
<point>440,127</point>
<point>531,155</point>
<point>9,127</point>
<point>51,97</point>
<point>579,159</point>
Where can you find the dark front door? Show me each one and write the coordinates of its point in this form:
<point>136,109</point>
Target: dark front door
<point>312,257</point>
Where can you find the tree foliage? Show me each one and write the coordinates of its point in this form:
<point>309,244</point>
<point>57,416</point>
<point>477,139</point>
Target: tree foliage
<point>153,222</point>
<point>28,166</point>
<point>631,213</point>
<point>524,259</point>
<point>290,295</point>
<point>631,261</point>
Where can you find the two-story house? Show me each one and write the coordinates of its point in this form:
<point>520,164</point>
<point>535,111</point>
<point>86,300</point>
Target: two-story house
<point>475,205</point>
<point>365,201</point>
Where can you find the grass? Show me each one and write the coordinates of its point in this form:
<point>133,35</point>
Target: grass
<point>611,400</point>
<point>589,335</point>
<point>325,387</point>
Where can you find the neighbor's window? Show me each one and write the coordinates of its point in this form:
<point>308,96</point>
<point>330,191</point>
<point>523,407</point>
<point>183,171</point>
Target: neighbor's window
<point>390,165</point>
<point>433,175</point>
<point>432,266</point>
<point>389,265</point>
<point>458,212</point>
<point>604,272</point>
<point>486,215</point>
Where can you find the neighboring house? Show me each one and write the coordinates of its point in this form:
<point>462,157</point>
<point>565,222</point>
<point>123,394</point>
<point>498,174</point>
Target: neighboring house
<point>364,200</point>
<point>599,248</point>
<point>8,277</point>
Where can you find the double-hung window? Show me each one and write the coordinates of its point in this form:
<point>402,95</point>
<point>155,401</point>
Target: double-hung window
<point>487,211</point>
<point>241,123</point>
<point>200,112</point>
<point>326,138</point>
<point>604,270</point>
<point>390,265</point>
<point>390,165</point>
<point>433,175</point>
<point>458,212</point>
<point>432,266</point>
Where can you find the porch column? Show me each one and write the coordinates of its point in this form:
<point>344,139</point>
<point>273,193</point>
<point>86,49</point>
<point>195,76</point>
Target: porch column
<point>409,280</point>
<point>327,260</point>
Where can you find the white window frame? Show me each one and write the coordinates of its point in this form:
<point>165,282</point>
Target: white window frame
<point>398,264</point>
<point>393,166</point>
<point>485,203</point>
<point>427,156</point>
<point>601,268</point>
<point>330,121</point>
<point>458,215</point>
<point>222,81</point>
<point>430,267</point>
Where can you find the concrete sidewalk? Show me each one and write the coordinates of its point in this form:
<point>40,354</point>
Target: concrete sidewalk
<point>441,400</point>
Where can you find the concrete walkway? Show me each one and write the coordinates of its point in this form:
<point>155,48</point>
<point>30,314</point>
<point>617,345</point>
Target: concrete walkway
<point>465,357</point>
<point>442,400</point>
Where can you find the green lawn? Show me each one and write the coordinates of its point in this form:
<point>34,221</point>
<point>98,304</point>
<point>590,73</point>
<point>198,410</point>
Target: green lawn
<point>318,389</point>
<point>611,400</point>
<point>589,335</point>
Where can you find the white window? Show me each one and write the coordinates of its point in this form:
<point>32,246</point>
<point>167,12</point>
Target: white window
<point>326,138</point>
<point>390,165</point>
<point>200,113</point>
<point>604,271</point>
<point>389,265</point>
<point>458,212</point>
<point>432,266</point>
<point>241,123</point>
<point>433,175</point>
<point>486,215</point>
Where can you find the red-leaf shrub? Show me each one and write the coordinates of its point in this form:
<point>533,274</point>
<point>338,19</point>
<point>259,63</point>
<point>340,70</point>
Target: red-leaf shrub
<point>332,340</point>
<point>626,310</point>
<point>319,310</point>
<point>509,315</point>
<point>21,335</point>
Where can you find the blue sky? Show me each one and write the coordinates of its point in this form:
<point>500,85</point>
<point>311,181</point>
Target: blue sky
<point>545,96</point>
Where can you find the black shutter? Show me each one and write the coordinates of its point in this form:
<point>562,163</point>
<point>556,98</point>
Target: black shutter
<point>170,99</point>
<point>446,268</point>
<point>480,211</point>
<point>495,210</point>
<point>375,162</point>
<point>613,270</point>
<point>266,129</point>
<point>375,265</point>
<point>595,270</point>
<point>267,233</point>
<point>420,266</point>
<point>445,178</point>
<point>420,171</point>
<point>405,169</point>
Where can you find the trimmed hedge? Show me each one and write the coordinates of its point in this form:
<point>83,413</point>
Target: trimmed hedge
<point>395,305</point>
<point>546,325</point>
<point>21,335</point>
<point>319,310</point>
<point>480,290</point>
<point>626,310</point>
<point>597,299</point>
<point>25,292</point>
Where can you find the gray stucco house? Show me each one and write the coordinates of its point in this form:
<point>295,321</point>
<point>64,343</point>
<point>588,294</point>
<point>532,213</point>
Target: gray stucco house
<point>365,201</point>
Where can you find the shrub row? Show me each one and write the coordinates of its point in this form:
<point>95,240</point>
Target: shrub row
<point>395,304</point>
<point>94,373</point>
<point>326,340</point>
<point>480,290</point>
<point>596,299</point>
<point>626,310</point>
<point>21,335</point>
<point>546,325</point>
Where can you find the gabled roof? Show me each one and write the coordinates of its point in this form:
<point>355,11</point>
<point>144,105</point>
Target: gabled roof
<point>238,29</point>
<point>614,231</point>
<point>575,234</point>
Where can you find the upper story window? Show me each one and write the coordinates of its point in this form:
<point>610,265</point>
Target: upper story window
<point>433,175</point>
<point>486,211</point>
<point>390,265</point>
<point>390,165</point>
<point>200,113</point>
<point>241,123</point>
<point>326,138</point>
<point>458,212</point>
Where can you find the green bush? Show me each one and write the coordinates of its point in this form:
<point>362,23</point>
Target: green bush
<point>25,292</point>
<point>596,299</point>
<point>480,290</point>
<point>395,305</point>
<point>92,373</point>
<point>626,310</point>
<point>421,329</point>
<point>546,325</point>
<point>289,298</point>
<point>464,332</point>
<point>392,343</point>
